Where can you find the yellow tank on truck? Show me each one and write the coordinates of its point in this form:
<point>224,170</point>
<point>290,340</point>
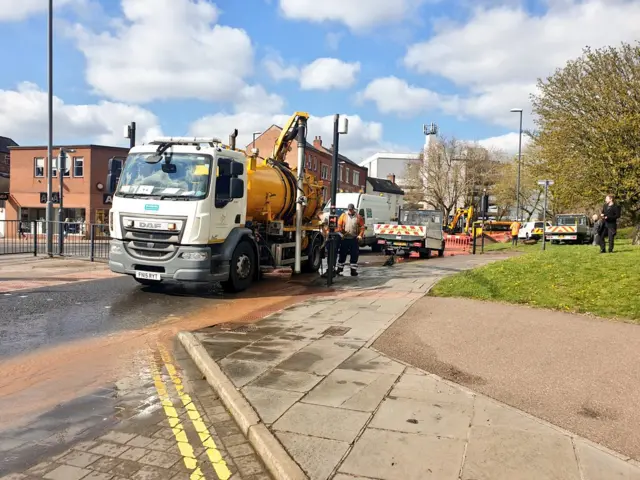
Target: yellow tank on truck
<point>271,192</point>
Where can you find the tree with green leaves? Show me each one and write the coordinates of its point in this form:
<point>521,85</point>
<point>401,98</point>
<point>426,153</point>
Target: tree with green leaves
<point>588,129</point>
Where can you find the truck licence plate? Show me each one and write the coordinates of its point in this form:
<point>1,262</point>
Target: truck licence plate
<point>400,244</point>
<point>148,275</point>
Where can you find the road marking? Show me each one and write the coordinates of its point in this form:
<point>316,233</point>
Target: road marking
<point>186,450</point>
<point>218,463</point>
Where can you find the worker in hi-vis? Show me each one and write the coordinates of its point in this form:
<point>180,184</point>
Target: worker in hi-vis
<point>351,227</point>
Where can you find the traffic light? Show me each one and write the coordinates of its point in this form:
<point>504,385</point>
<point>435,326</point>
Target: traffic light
<point>114,169</point>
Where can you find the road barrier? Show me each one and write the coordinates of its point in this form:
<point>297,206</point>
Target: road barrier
<point>460,244</point>
<point>70,239</point>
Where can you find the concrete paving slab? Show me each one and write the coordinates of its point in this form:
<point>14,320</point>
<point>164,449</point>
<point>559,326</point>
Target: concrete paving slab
<point>269,350</point>
<point>499,453</point>
<point>488,413</point>
<point>596,464</point>
<point>415,416</point>
<point>429,389</point>
<point>369,398</point>
<point>389,455</point>
<point>287,380</point>
<point>367,360</point>
<point>241,372</point>
<point>324,422</point>
<point>218,349</point>
<point>340,386</point>
<point>270,404</point>
<point>319,358</point>
<point>317,456</point>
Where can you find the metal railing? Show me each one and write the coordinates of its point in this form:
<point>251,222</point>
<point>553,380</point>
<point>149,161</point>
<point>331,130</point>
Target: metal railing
<point>70,239</point>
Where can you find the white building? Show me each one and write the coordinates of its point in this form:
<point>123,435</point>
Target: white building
<point>382,165</point>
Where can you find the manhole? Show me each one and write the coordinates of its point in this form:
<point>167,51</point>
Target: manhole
<point>336,331</point>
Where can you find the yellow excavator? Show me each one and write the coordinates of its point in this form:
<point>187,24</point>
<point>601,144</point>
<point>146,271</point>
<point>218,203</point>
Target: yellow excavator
<point>453,227</point>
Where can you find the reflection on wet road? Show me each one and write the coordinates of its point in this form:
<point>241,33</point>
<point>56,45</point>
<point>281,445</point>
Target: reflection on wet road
<point>31,319</point>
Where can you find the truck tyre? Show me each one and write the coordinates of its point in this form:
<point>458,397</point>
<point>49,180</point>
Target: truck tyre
<point>314,260</point>
<point>242,269</point>
<point>441,251</point>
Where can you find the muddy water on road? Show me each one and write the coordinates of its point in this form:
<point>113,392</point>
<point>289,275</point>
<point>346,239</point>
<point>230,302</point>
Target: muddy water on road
<point>38,382</point>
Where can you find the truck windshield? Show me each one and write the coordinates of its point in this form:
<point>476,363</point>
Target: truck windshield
<point>571,220</point>
<point>184,177</point>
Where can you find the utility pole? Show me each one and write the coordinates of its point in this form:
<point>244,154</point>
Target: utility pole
<point>339,127</point>
<point>49,210</point>
<point>518,110</point>
<point>546,184</point>
<point>301,201</point>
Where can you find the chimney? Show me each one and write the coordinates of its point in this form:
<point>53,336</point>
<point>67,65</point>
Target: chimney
<point>391,177</point>
<point>317,142</point>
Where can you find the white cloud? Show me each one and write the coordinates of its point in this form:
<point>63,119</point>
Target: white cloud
<point>364,138</point>
<point>393,95</point>
<point>328,73</point>
<point>166,49</point>
<point>321,74</point>
<point>23,117</point>
<point>507,143</point>
<point>501,51</point>
<point>355,14</point>
<point>278,71</point>
<point>18,10</point>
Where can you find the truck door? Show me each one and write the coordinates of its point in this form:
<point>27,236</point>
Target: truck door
<point>229,197</point>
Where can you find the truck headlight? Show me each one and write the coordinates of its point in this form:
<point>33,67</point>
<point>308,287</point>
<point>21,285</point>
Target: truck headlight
<point>115,248</point>
<point>195,256</point>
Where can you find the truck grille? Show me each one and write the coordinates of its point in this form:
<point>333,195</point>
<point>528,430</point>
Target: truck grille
<point>152,244</point>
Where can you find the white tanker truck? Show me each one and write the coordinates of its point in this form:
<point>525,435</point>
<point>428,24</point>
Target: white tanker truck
<point>195,210</point>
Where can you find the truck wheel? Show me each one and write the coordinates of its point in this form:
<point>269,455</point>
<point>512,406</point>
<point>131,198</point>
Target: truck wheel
<point>242,269</point>
<point>441,251</point>
<point>314,259</point>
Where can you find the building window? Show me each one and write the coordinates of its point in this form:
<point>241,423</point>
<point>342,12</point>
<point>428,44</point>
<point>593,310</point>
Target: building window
<point>340,173</point>
<point>325,172</point>
<point>356,178</point>
<point>38,169</point>
<point>78,166</point>
<point>347,179</point>
<point>315,164</point>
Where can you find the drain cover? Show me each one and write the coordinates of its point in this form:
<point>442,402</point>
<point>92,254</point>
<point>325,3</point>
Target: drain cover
<point>336,331</point>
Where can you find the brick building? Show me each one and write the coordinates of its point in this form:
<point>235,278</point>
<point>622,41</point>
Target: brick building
<point>5,144</point>
<point>351,176</point>
<point>85,199</point>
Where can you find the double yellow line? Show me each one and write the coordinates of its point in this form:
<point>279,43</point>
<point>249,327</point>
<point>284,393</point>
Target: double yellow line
<point>185,447</point>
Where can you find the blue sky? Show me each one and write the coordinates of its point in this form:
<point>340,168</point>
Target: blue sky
<point>200,67</point>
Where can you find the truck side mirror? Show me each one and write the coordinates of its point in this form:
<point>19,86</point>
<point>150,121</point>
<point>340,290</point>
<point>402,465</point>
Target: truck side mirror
<point>237,169</point>
<point>236,188</point>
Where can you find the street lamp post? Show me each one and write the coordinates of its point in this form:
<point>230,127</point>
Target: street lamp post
<point>340,127</point>
<point>49,210</point>
<point>518,110</point>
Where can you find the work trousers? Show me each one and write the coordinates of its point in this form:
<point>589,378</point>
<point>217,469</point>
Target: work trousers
<point>610,233</point>
<point>514,239</point>
<point>349,246</point>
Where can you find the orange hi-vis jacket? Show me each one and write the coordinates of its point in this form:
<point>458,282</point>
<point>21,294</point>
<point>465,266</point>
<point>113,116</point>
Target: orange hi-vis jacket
<point>342,222</point>
<point>515,228</point>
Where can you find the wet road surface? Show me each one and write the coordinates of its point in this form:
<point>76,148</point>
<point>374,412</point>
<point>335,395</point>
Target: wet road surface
<point>76,359</point>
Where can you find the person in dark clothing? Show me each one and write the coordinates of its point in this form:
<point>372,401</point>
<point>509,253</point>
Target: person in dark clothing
<point>610,215</point>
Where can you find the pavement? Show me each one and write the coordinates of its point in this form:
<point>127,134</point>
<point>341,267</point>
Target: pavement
<point>575,371</point>
<point>341,409</point>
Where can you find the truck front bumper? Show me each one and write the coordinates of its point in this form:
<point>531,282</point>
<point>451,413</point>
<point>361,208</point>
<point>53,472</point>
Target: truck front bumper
<point>211,269</point>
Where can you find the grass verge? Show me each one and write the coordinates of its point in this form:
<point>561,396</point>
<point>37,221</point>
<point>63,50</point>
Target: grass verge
<point>565,277</point>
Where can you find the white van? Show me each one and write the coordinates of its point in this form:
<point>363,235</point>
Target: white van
<point>532,230</point>
<point>373,208</point>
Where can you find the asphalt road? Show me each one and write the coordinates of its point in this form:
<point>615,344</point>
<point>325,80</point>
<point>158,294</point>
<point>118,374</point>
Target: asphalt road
<point>77,360</point>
